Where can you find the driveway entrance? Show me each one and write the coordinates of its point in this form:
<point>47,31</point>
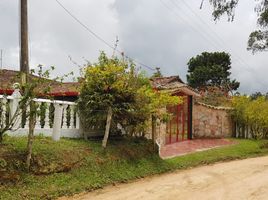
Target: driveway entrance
<point>178,128</point>
<point>191,146</point>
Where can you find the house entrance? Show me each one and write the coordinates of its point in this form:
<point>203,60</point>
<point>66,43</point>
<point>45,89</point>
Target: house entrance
<point>180,124</point>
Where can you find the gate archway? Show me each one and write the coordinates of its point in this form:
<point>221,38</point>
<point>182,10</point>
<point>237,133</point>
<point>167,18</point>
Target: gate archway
<point>179,127</point>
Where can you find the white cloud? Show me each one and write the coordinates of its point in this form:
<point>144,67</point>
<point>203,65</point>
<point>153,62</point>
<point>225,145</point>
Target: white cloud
<point>147,31</point>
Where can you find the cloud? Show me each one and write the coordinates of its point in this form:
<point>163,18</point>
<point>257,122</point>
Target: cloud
<point>54,36</point>
<point>158,35</point>
<point>167,33</point>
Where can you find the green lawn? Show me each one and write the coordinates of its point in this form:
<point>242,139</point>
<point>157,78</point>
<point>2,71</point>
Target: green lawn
<point>72,166</point>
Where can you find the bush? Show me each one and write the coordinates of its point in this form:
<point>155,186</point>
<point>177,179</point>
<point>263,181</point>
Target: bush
<point>251,116</point>
<point>115,83</point>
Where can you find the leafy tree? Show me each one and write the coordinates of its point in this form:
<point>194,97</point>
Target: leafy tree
<point>256,95</point>
<point>114,85</point>
<point>30,89</point>
<point>157,74</point>
<point>258,39</point>
<point>211,70</point>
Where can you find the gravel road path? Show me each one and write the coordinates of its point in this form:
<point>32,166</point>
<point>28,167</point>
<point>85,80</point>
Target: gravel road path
<point>244,179</point>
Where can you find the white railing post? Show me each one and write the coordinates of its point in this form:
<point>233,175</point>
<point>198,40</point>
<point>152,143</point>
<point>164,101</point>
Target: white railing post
<point>57,122</point>
<point>77,125</point>
<point>46,126</point>
<point>71,117</point>
<point>14,106</point>
<point>38,117</point>
<point>61,125</point>
<point>4,110</point>
<point>64,117</point>
<point>26,126</point>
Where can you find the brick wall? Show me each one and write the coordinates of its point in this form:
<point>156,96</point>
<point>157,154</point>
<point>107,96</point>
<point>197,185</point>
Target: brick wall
<point>211,122</point>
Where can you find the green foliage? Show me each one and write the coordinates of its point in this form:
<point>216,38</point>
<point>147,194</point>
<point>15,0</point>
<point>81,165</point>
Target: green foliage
<point>157,74</point>
<point>115,83</point>
<point>222,7</point>
<point>211,70</point>
<point>256,95</point>
<point>252,114</point>
<point>258,40</point>
<point>215,97</point>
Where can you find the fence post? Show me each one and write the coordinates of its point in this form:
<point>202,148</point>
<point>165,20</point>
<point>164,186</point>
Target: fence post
<point>64,116</point>
<point>46,126</point>
<point>77,121</point>
<point>71,117</point>
<point>4,111</point>
<point>57,122</point>
<point>38,116</point>
<point>14,104</point>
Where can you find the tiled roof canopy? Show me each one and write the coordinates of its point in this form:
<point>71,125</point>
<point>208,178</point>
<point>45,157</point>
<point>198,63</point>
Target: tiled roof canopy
<point>174,85</point>
<point>9,77</point>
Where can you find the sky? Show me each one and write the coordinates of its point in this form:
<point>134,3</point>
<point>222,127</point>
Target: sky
<point>158,33</point>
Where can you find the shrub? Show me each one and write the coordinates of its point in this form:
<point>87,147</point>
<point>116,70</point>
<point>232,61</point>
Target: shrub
<point>117,84</point>
<point>251,116</point>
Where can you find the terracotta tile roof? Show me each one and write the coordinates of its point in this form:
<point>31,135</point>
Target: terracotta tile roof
<point>173,84</point>
<point>163,82</point>
<point>9,77</point>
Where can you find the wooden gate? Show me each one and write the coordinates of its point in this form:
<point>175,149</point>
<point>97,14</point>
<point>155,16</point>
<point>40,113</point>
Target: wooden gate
<point>179,126</point>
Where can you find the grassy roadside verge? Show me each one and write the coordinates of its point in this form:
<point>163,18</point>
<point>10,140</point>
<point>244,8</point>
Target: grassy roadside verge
<point>73,166</point>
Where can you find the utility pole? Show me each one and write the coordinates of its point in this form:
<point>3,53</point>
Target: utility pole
<point>24,56</point>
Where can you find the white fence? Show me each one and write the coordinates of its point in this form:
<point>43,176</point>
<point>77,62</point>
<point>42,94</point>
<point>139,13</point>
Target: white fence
<point>55,118</point>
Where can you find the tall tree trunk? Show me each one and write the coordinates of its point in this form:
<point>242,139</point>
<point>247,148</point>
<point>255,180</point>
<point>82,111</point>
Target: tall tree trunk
<point>107,129</point>
<point>32,122</point>
<point>154,131</point>
<point>1,138</point>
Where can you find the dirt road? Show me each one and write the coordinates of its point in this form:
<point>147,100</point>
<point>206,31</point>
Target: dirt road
<point>245,179</point>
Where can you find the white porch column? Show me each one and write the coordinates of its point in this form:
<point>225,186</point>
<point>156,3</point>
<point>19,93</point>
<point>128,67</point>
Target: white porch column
<point>14,106</point>
<point>56,134</point>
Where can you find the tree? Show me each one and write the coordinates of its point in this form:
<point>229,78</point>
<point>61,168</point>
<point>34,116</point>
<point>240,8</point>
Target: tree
<point>33,88</point>
<point>211,70</point>
<point>256,95</point>
<point>157,74</point>
<point>258,39</point>
<point>113,87</point>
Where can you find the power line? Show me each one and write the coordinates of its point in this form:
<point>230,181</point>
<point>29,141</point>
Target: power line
<point>100,38</point>
<point>217,36</point>
<point>179,18</point>
<point>198,17</point>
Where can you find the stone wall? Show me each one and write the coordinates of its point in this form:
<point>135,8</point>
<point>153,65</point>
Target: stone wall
<point>211,122</point>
